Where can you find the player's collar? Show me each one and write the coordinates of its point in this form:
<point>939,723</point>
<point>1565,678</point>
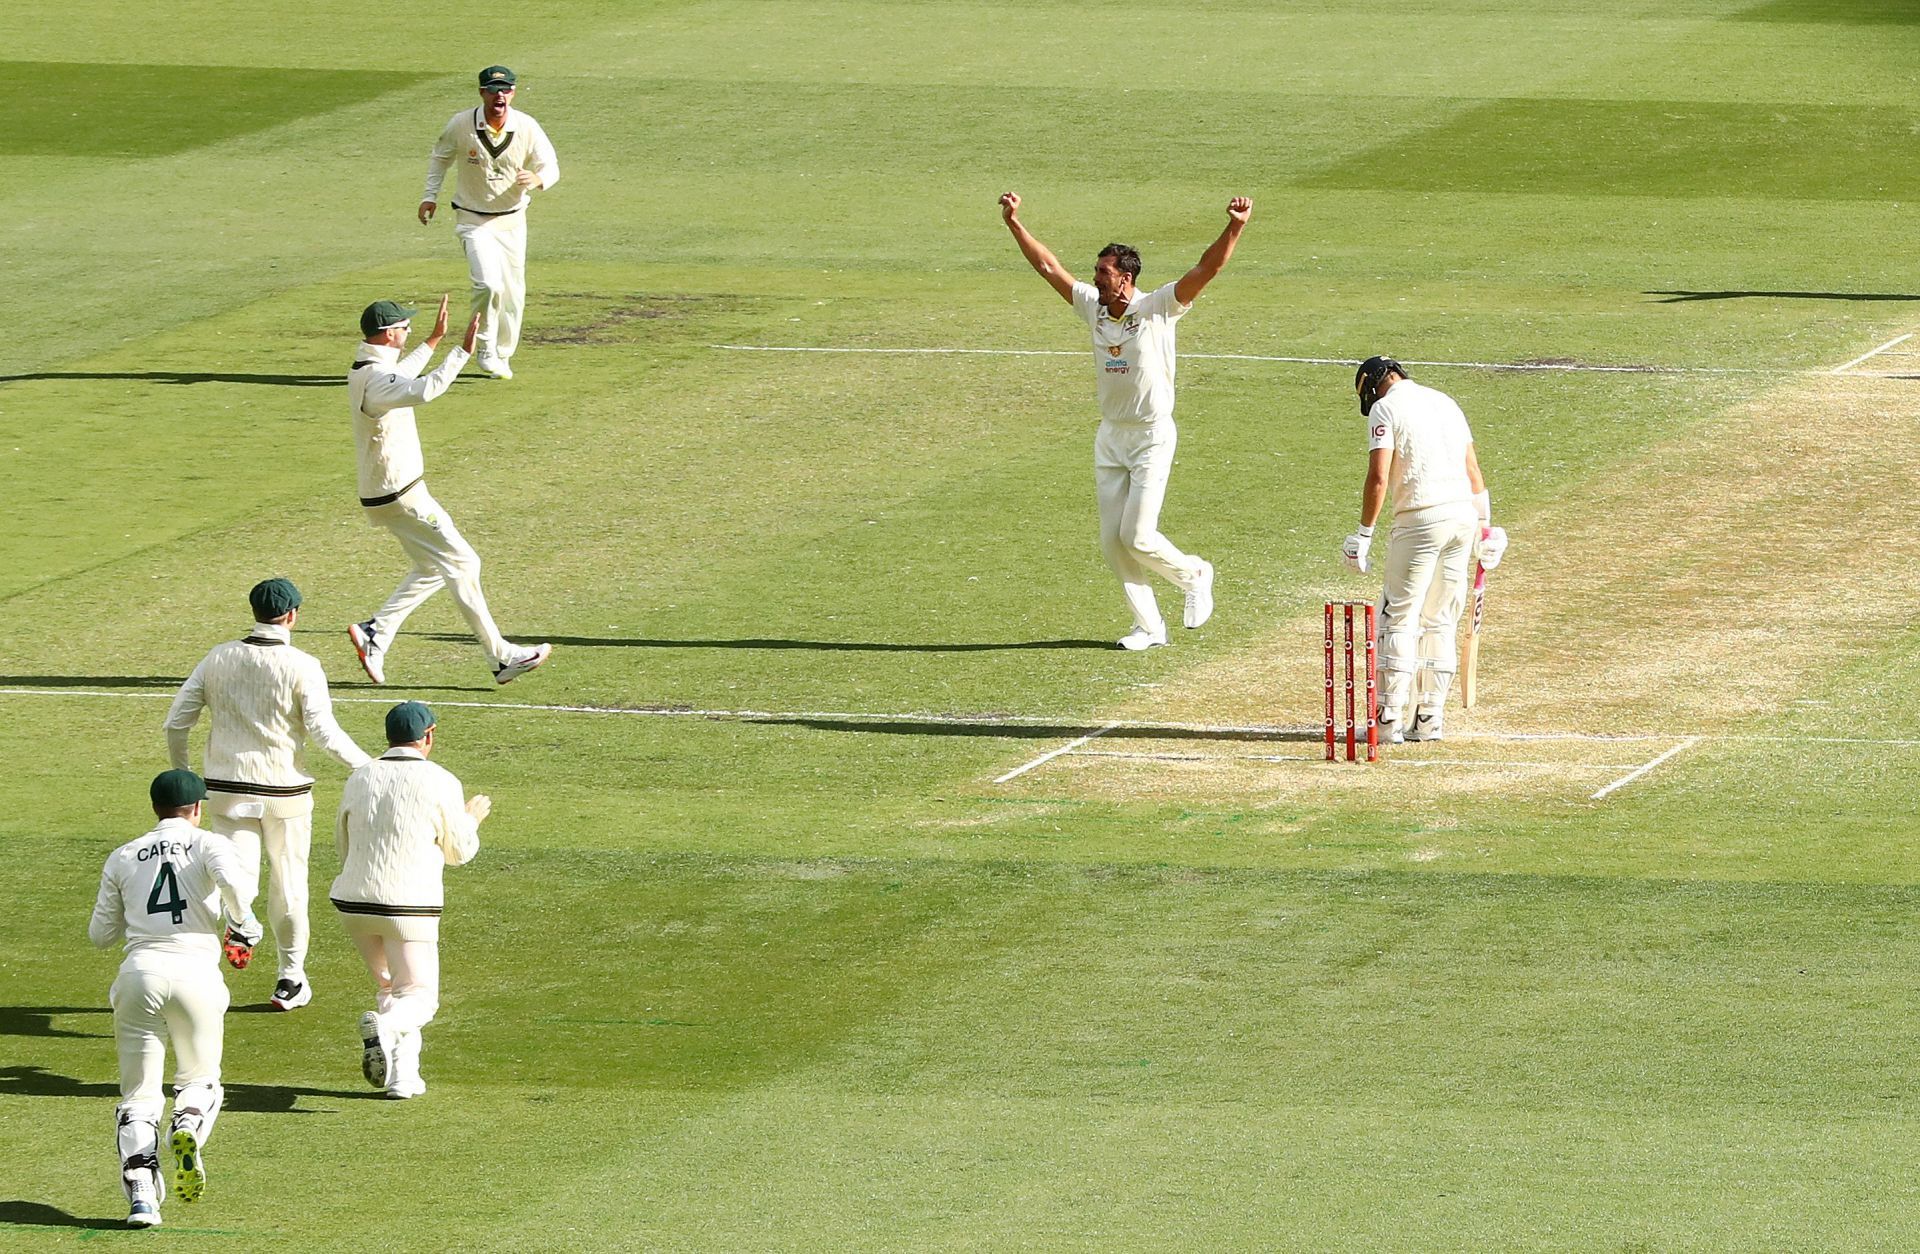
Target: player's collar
<point>480,122</point>
<point>173,823</point>
<point>279,633</point>
<point>386,354</point>
<point>403,753</point>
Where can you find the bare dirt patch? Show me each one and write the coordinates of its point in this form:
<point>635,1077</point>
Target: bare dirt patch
<point>583,318</point>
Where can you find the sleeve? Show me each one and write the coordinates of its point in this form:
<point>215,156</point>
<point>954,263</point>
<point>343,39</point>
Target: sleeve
<point>1086,302</point>
<point>1161,302</point>
<point>183,714</point>
<point>1380,427</point>
<point>415,361</point>
<point>231,881</point>
<point>388,390</point>
<point>459,831</point>
<point>439,159</point>
<point>316,712</point>
<point>109,922</point>
<point>340,824</point>
<point>545,162</point>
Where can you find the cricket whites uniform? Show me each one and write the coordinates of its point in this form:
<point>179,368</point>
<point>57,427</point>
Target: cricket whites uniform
<point>163,895</point>
<point>1133,449</point>
<point>491,214</point>
<point>265,699</point>
<point>383,388</point>
<point>1435,527</point>
<point>402,821</point>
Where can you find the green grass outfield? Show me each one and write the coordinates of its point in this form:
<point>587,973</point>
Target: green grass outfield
<point>815,979</point>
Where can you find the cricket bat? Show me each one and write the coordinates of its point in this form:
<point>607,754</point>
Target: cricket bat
<point>1470,643</point>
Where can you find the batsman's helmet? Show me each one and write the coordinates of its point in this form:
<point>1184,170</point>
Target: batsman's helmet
<point>1372,373</point>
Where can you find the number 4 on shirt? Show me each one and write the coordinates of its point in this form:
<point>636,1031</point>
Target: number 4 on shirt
<point>173,903</point>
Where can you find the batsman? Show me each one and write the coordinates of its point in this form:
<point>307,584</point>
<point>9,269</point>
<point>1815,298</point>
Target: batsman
<point>1419,449</point>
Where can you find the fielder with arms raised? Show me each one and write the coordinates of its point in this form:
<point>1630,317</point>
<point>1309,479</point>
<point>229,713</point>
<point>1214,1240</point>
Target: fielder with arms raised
<point>1421,450</point>
<point>163,895</point>
<point>1133,350</point>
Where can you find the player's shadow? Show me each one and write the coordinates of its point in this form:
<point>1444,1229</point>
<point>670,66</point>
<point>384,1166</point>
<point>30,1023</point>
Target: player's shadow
<point>41,1215</point>
<point>91,681</point>
<point>38,1021</point>
<point>823,646</point>
<point>186,377</point>
<point>261,1099</point>
<point>1683,296</point>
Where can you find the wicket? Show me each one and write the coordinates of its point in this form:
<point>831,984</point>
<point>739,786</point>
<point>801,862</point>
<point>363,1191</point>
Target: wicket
<point>1372,689</point>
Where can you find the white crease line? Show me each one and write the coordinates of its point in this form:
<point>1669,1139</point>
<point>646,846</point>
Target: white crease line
<point>1051,754</point>
<point>1895,342</point>
<point>1637,772</point>
<point>1547,367</point>
<point>1304,731</point>
<point>1321,757</point>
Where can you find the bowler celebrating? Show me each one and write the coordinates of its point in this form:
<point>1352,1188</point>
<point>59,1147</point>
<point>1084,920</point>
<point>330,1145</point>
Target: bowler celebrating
<point>1133,351</point>
<point>383,388</point>
<point>504,157</point>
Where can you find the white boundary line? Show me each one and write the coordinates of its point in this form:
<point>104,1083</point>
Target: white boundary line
<point>1644,768</point>
<point>1051,754</point>
<point>1895,342</point>
<point>1546,367</point>
<point>1301,731</point>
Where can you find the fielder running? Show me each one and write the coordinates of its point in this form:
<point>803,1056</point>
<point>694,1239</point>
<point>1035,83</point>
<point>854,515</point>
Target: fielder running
<point>1420,449</point>
<point>402,819</point>
<point>384,387</point>
<point>504,157</point>
<point>163,895</point>
<point>265,698</point>
<point>1133,350</point>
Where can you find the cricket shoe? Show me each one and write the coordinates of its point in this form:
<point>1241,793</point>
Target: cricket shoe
<point>1140,638</point>
<point>367,645</point>
<point>291,994</point>
<point>1200,597</point>
<point>527,661</point>
<point>144,1192</point>
<point>376,1050</point>
<point>495,368</point>
<point>189,1163</point>
<point>1426,726</point>
<point>1388,732</point>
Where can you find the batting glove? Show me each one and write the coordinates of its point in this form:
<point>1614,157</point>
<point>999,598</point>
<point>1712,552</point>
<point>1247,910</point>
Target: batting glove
<point>1493,546</point>
<point>1355,549</point>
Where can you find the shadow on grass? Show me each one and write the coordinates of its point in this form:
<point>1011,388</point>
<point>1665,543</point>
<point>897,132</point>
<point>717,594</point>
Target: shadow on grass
<point>823,646</point>
<point>41,1215</point>
<point>38,1021</point>
<point>91,681</point>
<point>261,1099</point>
<point>1680,297</point>
<point>186,377</point>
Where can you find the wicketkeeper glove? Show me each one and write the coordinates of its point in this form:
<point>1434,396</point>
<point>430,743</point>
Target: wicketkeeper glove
<point>239,943</point>
<point>1493,546</point>
<point>1355,549</point>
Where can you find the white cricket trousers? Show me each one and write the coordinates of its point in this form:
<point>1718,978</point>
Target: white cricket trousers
<point>442,558</point>
<point>284,825</point>
<point>1131,463</point>
<point>161,997</point>
<point>402,953</point>
<point>496,251</point>
<point>1425,588</point>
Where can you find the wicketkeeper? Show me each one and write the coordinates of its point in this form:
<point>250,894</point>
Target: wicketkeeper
<point>1420,449</point>
<point>163,894</point>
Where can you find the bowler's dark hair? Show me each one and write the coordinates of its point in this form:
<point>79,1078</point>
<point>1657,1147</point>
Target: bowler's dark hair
<point>1125,257</point>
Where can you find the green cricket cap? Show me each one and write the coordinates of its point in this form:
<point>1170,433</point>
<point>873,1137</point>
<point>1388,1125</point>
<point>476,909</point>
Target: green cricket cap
<point>271,598</point>
<point>408,722</point>
<point>382,314</point>
<point>496,76</point>
<point>173,789</point>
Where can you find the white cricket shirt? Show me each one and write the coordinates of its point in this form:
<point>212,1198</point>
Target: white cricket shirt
<point>1133,353</point>
<point>402,821</point>
<point>383,388</point>
<point>162,893</point>
<point>266,698</point>
<point>487,161</point>
<point>1429,438</point>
